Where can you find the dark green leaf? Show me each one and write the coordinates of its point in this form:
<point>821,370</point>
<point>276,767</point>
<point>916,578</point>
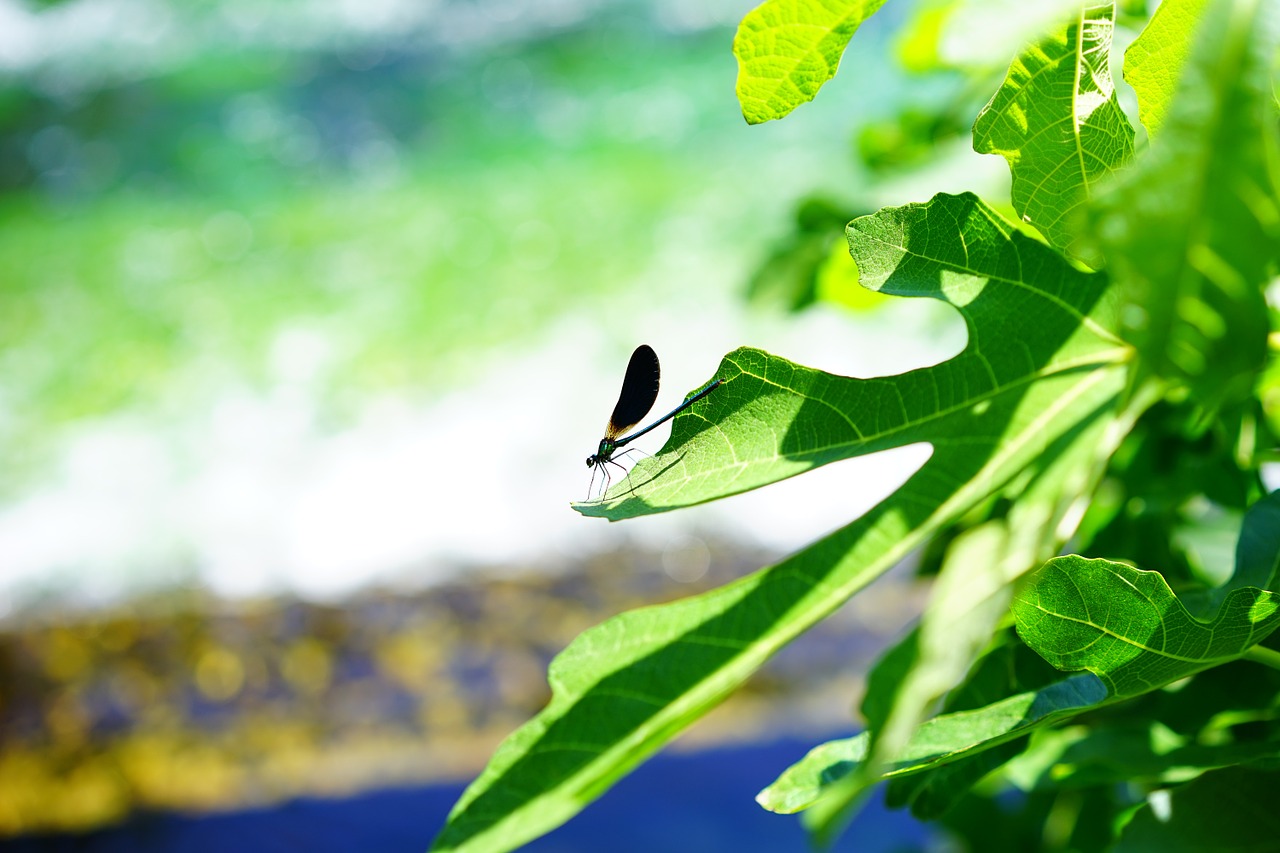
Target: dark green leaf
<point>934,792</point>
<point>885,676</point>
<point>1224,810</point>
<point>1258,552</point>
<point>1141,751</point>
<point>1006,669</point>
<point>1127,627</point>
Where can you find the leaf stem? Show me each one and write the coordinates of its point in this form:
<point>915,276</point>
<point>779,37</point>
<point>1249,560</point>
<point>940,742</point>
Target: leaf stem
<point>1263,655</point>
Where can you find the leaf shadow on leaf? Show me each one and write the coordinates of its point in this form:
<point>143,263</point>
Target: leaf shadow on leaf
<point>649,476</point>
<point>775,419</point>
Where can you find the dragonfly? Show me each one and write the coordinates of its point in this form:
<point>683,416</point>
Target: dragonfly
<point>639,393</point>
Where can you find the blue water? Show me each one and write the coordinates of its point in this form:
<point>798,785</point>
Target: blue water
<point>700,802</point>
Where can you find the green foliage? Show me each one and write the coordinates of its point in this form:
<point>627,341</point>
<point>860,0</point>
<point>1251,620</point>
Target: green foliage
<point>1105,402</point>
<point>1123,625</point>
<point>1019,397</point>
<point>1193,229</point>
<point>792,273</point>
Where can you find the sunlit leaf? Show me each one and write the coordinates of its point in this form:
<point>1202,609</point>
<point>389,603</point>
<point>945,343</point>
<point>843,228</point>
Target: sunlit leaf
<point>773,419</point>
<point>787,49</point>
<point>1154,62</point>
<point>1058,122</point>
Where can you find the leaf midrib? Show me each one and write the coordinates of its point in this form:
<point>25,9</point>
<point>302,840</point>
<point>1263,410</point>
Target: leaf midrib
<point>740,468</point>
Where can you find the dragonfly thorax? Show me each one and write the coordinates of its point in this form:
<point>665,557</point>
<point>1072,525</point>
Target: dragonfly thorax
<point>603,453</point>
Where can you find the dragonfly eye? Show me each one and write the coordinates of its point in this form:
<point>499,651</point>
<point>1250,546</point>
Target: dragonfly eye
<point>591,460</point>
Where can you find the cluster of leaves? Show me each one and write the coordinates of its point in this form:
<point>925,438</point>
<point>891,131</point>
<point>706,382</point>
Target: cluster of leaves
<point>1113,401</point>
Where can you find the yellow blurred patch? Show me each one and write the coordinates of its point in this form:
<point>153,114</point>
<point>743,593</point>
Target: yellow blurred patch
<point>307,666</point>
<point>219,674</point>
<point>917,48</point>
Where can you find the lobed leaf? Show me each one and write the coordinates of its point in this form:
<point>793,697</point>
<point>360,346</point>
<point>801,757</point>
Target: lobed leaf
<point>787,49</point>
<point>1035,323</point>
<point>1041,365</point>
<point>1058,122</point>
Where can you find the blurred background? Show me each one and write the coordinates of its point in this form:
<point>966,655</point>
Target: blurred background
<point>310,314</point>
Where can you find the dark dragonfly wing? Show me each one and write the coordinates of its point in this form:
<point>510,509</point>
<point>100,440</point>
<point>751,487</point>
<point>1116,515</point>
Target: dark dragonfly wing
<point>639,392</point>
